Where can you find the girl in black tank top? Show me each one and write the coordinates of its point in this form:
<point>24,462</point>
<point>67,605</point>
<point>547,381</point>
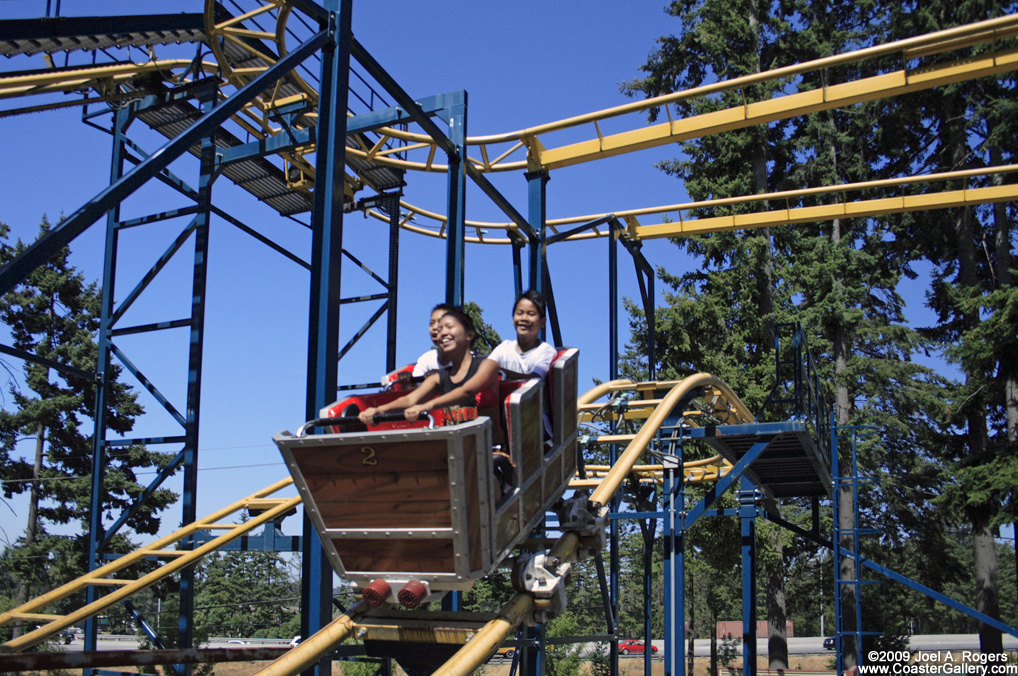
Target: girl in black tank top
<point>455,337</point>
<point>445,382</point>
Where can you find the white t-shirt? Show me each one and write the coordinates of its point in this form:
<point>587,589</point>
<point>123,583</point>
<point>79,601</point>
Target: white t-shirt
<point>536,360</point>
<point>428,363</point>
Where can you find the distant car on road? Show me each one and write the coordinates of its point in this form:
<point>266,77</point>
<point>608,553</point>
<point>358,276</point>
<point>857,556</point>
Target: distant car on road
<point>635,647</point>
<point>236,641</point>
<point>829,643</point>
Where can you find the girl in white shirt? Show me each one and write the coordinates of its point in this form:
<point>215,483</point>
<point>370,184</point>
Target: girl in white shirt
<point>526,357</point>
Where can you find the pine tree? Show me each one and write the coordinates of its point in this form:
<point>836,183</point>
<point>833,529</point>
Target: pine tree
<point>53,314</point>
<point>721,317</point>
<point>833,278</point>
<point>967,126</point>
<point>487,338</point>
<point>246,594</point>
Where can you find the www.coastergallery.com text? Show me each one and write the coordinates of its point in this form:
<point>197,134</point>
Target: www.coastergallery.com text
<point>904,663</point>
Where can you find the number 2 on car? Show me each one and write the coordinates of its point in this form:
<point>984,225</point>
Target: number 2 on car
<point>369,456</point>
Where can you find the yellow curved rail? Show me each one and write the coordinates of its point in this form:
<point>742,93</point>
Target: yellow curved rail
<point>259,45</point>
<point>272,509</point>
<point>487,640</point>
<point>484,644</point>
<point>315,647</point>
<point>533,147</point>
<point>647,432</point>
<point>672,220</point>
<point>99,77</point>
<point>545,156</point>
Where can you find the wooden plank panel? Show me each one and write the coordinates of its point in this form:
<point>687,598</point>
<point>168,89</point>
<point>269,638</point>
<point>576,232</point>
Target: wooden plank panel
<point>367,485</point>
<point>363,456</point>
<point>380,487</point>
<point>569,454</point>
<point>508,526</point>
<point>395,555</point>
<point>552,477</point>
<point>473,495</point>
<point>395,500</point>
<point>407,513</point>
<point>527,430</point>
<point>532,503</point>
<point>564,396</point>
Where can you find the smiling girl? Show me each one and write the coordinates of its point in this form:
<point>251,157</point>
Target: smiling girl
<point>453,338</point>
<point>474,380</point>
<point>527,356</point>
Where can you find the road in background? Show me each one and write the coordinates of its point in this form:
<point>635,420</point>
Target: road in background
<point>804,645</point>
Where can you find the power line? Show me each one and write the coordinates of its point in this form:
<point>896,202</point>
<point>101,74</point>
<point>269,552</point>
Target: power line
<point>89,476</point>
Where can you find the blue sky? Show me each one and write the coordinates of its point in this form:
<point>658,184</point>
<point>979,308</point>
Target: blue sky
<point>522,63</point>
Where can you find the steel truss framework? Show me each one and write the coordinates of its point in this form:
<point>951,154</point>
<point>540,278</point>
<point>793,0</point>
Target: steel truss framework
<point>332,40</point>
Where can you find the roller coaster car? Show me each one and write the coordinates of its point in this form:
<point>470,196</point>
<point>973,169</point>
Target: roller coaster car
<point>407,512</point>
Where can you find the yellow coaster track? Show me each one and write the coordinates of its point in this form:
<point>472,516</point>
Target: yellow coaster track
<point>713,401</point>
<point>244,47</point>
<point>262,507</point>
<point>716,400</point>
<point>243,50</point>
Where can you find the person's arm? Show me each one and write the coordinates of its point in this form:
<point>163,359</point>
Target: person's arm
<point>502,354</point>
<point>487,373</point>
<point>430,384</point>
<point>540,369</point>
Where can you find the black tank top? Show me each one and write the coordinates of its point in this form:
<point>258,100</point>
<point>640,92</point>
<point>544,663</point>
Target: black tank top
<point>445,382</point>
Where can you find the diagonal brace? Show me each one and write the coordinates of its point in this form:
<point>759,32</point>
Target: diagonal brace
<point>45,248</point>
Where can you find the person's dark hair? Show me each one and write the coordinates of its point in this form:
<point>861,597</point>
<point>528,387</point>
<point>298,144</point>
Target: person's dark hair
<point>445,307</point>
<point>534,297</point>
<point>462,317</point>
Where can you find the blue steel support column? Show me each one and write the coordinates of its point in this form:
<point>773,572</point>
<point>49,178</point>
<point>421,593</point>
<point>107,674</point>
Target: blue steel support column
<point>613,303</point>
<point>326,257</point>
<point>456,226</point>
<point>455,234</point>
<point>651,329</point>
<point>674,569</point>
<point>537,211</point>
<point>836,558</point>
<point>613,371</point>
<point>647,528</point>
<point>517,270</point>
<point>747,516</point>
<point>392,207</point>
<point>121,121</point>
<point>194,363</point>
<point>536,182</point>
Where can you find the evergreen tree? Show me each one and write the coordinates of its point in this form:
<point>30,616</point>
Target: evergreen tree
<point>850,303</point>
<point>248,594</point>
<point>834,278</point>
<point>563,659</point>
<point>721,317</point>
<point>487,338</point>
<point>966,126</point>
<point>54,315</point>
